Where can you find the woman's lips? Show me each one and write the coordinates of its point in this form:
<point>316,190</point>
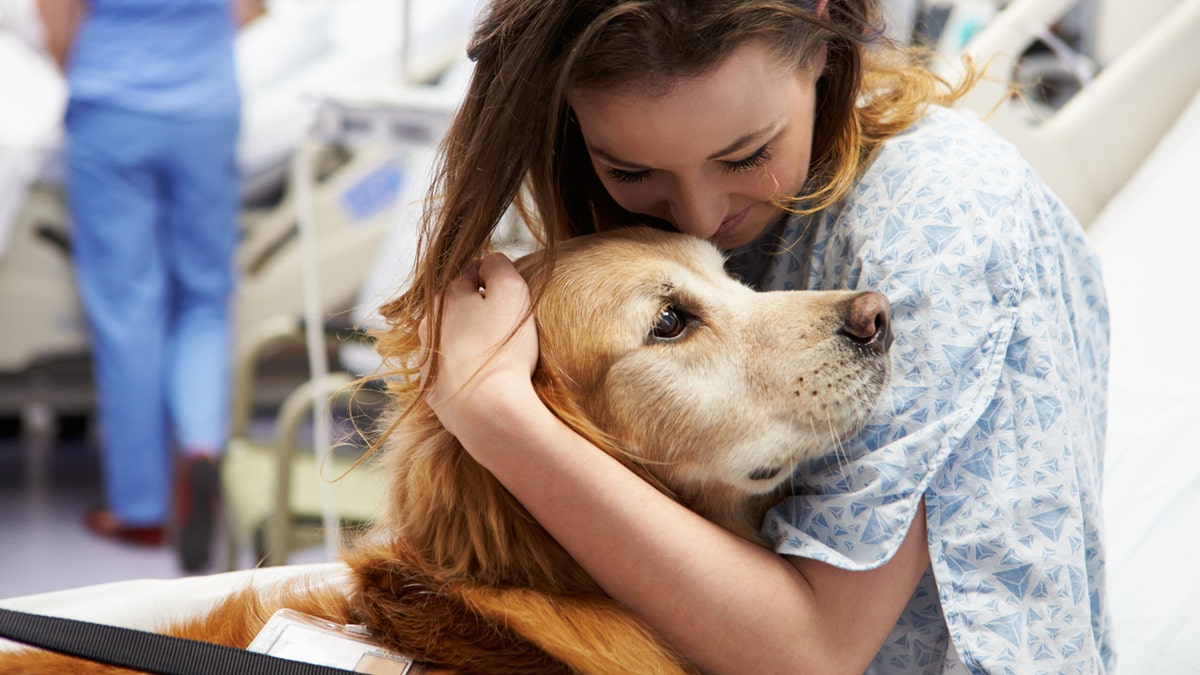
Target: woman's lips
<point>731,223</point>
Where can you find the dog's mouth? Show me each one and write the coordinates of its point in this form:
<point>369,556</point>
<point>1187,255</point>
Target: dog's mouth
<point>765,472</point>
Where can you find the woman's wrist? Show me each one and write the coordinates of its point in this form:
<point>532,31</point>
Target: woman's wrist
<point>493,415</point>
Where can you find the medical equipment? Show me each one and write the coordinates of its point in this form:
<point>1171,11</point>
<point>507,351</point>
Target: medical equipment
<point>401,117</point>
<point>1091,146</point>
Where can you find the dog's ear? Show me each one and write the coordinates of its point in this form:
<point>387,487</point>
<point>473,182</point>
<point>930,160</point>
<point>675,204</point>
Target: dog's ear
<point>552,388</point>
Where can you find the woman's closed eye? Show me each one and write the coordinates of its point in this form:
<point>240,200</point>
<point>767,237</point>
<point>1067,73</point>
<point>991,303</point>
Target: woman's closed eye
<point>754,160</point>
<point>623,176</point>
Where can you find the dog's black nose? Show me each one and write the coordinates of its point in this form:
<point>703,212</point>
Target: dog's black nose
<point>866,321</point>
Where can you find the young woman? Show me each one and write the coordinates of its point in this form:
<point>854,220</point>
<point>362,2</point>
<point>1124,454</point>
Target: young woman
<point>961,528</point>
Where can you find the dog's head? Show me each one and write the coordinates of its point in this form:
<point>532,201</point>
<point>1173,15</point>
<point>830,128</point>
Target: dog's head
<point>704,387</point>
<point>715,390</point>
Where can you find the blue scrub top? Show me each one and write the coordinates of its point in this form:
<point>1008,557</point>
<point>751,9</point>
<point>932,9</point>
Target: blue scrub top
<point>161,57</point>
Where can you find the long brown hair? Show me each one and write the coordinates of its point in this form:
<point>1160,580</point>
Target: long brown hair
<point>514,139</point>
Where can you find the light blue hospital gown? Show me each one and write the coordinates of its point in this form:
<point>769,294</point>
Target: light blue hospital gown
<point>996,412</point>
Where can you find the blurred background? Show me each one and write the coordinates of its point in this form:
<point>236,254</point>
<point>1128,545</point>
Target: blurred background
<point>342,104</point>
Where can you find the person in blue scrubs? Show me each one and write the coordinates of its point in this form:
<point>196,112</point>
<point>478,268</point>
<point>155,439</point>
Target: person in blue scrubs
<point>153,193</point>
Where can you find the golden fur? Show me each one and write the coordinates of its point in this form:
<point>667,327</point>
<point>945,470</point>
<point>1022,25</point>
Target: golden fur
<point>711,391</point>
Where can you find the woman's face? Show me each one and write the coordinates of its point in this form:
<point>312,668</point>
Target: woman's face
<point>711,153</point>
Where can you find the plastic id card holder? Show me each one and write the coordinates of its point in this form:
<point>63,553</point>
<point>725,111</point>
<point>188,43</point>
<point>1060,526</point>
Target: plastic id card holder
<point>300,637</point>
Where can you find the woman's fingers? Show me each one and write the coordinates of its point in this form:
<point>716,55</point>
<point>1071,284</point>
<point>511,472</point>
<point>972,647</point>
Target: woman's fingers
<point>466,283</point>
<point>496,272</point>
<point>489,299</point>
<point>487,343</point>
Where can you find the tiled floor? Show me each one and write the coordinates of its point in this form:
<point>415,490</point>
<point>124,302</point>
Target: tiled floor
<point>43,544</point>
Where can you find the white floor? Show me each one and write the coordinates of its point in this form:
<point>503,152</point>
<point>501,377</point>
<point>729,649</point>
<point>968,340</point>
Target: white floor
<point>43,543</point>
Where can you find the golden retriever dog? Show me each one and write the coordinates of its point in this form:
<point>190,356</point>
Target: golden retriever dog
<point>707,389</point>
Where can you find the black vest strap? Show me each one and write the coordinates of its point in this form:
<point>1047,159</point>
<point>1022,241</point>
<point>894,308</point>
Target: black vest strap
<point>144,651</point>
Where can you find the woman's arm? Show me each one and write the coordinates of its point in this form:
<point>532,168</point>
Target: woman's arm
<point>245,11</point>
<point>60,18</point>
<point>726,604</point>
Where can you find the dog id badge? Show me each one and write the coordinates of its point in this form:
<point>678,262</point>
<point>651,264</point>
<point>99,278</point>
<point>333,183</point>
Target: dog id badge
<point>299,637</point>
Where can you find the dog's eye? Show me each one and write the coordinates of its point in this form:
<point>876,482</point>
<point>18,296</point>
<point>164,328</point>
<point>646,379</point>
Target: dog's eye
<point>670,324</point>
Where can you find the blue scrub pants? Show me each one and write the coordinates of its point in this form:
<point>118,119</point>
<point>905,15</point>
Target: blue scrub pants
<point>153,203</point>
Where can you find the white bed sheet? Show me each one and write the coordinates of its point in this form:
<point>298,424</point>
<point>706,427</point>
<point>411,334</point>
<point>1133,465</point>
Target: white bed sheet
<point>149,604</point>
<point>1148,237</point>
<point>33,99</point>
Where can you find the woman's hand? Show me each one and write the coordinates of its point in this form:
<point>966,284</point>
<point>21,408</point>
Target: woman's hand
<point>479,368</point>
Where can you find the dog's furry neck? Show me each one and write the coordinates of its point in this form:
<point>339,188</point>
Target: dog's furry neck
<point>732,510</point>
<point>454,516</point>
<point>451,513</point>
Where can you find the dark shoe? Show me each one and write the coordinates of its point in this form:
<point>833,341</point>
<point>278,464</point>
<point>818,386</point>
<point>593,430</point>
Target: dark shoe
<point>196,496</point>
<point>102,522</point>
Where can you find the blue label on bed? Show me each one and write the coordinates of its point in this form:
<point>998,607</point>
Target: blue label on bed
<point>373,193</point>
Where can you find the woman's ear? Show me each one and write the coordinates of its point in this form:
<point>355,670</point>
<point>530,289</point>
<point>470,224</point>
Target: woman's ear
<point>819,7</point>
<point>819,60</point>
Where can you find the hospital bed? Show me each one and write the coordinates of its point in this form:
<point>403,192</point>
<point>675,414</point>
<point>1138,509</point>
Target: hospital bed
<point>1141,222</point>
<point>1092,145</point>
<point>1147,237</point>
<point>272,489</point>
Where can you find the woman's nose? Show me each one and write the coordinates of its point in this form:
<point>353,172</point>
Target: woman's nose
<point>698,211</point>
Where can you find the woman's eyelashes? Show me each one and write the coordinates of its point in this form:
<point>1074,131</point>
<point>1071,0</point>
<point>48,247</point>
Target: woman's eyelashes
<point>752,161</point>
<point>623,176</point>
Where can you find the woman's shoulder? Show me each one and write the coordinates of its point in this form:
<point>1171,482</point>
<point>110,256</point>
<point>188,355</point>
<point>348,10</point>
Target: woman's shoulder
<point>940,126</point>
<point>952,145</point>
<point>947,193</point>
<point>947,157</point>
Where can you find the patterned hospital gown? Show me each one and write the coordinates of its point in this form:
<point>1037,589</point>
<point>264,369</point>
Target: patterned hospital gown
<point>995,415</point>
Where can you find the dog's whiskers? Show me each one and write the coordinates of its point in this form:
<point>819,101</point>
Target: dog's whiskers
<point>841,458</point>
